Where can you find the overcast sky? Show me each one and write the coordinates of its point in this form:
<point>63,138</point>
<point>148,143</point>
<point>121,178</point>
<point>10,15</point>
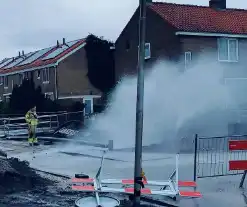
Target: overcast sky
<point>33,24</point>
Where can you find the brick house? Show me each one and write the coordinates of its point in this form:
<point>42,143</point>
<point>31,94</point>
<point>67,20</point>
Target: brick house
<point>60,70</point>
<point>180,32</point>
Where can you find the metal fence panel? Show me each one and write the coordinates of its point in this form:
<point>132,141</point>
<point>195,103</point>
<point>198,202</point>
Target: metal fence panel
<point>213,155</point>
<point>47,123</point>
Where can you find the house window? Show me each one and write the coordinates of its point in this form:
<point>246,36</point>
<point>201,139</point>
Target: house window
<point>45,75</point>
<point>6,81</point>
<point>228,49</point>
<point>147,51</point>
<point>38,74</point>
<point>25,75</point>
<point>187,59</point>
<point>6,97</point>
<point>21,78</point>
<point>1,80</point>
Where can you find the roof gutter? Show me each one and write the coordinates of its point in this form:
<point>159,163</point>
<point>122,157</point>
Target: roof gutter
<point>208,34</point>
<point>78,97</point>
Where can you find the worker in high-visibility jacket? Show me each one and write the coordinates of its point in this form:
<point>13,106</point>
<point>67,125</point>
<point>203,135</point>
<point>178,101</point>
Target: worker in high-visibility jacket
<point>143,176</point>
<point>32,121</point>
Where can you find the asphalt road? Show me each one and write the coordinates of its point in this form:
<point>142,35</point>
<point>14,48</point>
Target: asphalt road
<point>68,160</point>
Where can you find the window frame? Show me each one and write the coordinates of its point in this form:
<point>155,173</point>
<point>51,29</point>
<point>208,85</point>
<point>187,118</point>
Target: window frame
<point>21,78</point>
<point>228,49</point>
<point>46,71</point>
<point>185,59</point>
<point>1,80</point>
<point>39,74</point>
<point>4,82</point>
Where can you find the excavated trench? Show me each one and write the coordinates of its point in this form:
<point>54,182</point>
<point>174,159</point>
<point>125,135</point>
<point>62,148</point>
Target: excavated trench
<point>21,186</point>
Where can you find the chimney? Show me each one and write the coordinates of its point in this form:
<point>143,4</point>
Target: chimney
<point>19,54</point>
<point>217,4</point>
<point>64,43</point>
<point>23,53</point>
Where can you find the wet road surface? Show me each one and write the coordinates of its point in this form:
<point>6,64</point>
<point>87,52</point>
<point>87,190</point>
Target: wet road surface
<point>220,191</point>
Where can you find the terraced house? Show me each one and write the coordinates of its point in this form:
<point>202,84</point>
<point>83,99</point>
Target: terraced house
<point>60,70</point>
<point>181,33</point>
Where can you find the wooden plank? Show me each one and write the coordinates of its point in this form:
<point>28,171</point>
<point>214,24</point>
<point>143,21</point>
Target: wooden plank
<point>238,165</point>
<point>235,145</point>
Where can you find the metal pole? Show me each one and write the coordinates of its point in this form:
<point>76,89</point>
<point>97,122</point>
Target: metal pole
<point>139,104</point>
<point>195,158</point>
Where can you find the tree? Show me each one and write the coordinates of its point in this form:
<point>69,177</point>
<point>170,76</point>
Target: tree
<point>100,60</point>
<point>26,96</point>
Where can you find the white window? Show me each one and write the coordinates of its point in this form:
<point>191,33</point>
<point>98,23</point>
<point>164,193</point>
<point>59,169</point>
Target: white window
<point>21,78</point>
<point>187,59</point>
<point>45,75</point>
<point>6,81</point>
<point>6,97</point>
<point>88,106</point>
<point>38,74</point>
<point>1,80</point>
<point>147,51</point>
<point>228,49</point>
<point>25,75</point>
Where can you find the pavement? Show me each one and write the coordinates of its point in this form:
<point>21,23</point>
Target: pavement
<point>71,159</point>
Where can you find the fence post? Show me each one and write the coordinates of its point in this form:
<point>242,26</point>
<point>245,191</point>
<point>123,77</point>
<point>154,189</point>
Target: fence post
<point>195,158</point>
<point>242,179</point>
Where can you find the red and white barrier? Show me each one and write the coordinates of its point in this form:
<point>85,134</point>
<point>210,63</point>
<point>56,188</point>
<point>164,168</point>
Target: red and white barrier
<point>169,187</point>
<point>238,145</point>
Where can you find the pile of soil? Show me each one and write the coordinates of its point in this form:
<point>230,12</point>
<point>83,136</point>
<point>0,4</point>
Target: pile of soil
<point>16,176</point>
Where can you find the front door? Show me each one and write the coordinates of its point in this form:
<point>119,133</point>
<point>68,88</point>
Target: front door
<point>88,106</point>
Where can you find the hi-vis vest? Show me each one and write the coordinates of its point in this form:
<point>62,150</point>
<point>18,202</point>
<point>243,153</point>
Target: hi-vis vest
<point>143,175</point>
<point>31,118</point>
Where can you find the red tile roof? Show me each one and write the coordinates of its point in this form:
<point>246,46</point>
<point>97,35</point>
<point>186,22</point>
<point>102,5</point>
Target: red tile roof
<point>190,18</point>
<point>39,62</point>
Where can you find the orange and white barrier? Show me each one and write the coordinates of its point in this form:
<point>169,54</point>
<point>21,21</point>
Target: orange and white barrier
<point>169,187</point>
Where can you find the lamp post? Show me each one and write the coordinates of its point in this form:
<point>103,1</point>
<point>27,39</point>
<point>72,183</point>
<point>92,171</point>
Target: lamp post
<point>139,103</point>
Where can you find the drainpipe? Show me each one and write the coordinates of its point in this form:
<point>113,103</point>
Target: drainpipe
<point>56,83</point>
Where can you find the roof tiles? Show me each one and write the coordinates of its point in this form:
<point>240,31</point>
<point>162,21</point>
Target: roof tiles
<point>191,18</point>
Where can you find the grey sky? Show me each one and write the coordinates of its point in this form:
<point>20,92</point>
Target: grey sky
<point>32,24</point>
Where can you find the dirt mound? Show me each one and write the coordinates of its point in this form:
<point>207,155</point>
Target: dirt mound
<point>16,175</point>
